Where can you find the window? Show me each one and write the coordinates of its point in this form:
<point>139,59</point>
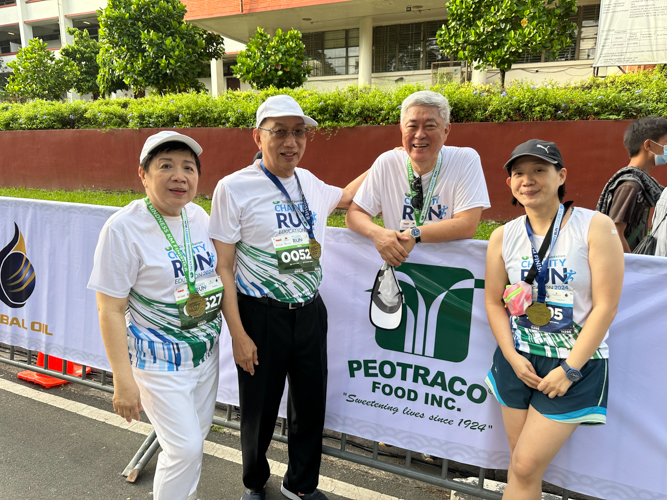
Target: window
<point>48,38</point>
<point>588,33</point>
<point>333,52</point>
<point>406,47</point>
<point>7,2</point>
<point>584,41</point>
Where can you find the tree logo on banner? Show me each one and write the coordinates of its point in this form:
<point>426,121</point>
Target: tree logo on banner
<point>17,276</point>
<point>436,315</point>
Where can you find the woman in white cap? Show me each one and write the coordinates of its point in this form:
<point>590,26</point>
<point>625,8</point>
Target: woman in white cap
<point>159,299</point>
<point>557,272</point>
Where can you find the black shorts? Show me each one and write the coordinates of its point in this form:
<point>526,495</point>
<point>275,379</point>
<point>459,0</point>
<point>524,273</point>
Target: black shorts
<point>584,403</point>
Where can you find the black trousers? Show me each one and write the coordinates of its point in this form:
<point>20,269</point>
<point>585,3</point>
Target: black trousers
<point>292,344</point>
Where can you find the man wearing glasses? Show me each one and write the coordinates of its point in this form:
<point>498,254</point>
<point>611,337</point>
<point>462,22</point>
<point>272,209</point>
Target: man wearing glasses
<point>427,192</point>
<point>267,223</point>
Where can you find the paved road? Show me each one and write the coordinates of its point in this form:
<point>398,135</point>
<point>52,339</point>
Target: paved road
<point>65,443</point>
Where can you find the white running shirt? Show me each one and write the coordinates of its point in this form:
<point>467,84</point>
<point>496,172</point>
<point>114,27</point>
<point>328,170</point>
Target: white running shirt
<point>134,259</point>
<point>249,210</point>
<point>460,186</point>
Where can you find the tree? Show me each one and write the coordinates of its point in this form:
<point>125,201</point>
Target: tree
<point>279,62</point>
<point>83,53</point>
<point>39,74</point>
<point>146,43</point>
<point>489,33</point>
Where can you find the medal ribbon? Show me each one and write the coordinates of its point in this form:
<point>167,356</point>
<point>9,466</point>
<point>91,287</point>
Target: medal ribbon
<point>187,260</point>
<point>541,264</point>
<point>306,217</point>
<point>420,215</point>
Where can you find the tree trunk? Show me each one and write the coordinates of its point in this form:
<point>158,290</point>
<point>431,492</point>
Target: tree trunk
<point>502,79</point>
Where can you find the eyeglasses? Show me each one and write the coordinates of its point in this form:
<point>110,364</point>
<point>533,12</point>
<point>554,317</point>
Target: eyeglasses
<point>281,133</point>
<point>418,198</point>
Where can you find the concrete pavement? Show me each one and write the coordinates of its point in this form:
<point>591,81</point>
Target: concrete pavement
<point>66,443</point>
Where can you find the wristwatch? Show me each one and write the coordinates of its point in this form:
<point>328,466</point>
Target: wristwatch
<point>416,233</point>
<point>571,373</point>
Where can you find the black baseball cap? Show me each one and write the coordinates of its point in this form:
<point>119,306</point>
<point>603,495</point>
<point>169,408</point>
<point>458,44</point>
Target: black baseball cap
<point>537,147</point>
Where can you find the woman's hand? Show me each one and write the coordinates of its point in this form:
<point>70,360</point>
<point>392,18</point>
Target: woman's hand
<point>555,383</point>
<point>245,352</point>
<point>126,399</point>
<point>524,370</point>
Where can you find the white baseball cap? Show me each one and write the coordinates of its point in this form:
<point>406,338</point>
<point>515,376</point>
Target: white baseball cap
<point>168,136</point>
<point>282,105</point>
<point>386,310</point>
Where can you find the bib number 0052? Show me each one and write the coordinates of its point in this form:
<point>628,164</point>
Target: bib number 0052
<point>295,255</point>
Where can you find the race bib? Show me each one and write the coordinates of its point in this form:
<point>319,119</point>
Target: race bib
<point>293,254</point>
<point>560,302</point>
<point>211,290</point>
<point>406,224</point>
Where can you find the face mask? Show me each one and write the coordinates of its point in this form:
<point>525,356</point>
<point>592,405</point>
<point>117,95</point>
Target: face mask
<point>660,159</point>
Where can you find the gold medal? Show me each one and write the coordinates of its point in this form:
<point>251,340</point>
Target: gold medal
<point>195,306</point>
<point>315,249</point>
<point>538,314</point>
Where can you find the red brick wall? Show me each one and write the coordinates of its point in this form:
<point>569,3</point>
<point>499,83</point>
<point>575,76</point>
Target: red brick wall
<point>203,9</point>
<point>71,159</point>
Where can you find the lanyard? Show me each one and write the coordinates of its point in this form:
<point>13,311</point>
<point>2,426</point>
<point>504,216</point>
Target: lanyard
<point>306,217</point>
<point>187,260</point>
<point>541,264</point>
<point>420,215</point>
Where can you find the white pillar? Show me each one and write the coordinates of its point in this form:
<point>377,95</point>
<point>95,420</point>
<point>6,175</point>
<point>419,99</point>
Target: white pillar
<point>478,77</point>
<point>64,23</point>
<point>25,30</point>
<point>365,50</point>
<point>218,81</point>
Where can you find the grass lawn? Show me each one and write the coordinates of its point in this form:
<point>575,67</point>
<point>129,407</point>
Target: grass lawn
<point>122,198</point>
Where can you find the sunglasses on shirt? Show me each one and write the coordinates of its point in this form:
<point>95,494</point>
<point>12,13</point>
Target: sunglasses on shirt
<point>418,198</point>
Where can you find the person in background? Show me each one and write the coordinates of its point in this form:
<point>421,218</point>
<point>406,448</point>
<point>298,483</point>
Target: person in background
<point>631,192</point>
<point>550,371</point>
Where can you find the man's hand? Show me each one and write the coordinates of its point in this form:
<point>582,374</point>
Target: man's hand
<point>245,352</point>
<point>407,241</point>
<point>390,245</point>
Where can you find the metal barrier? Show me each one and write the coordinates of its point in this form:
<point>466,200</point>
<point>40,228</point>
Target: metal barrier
<point>444,477</point>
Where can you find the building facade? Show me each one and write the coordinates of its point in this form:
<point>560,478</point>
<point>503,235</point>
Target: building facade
<point>23,20</point>
<point>382,42</point>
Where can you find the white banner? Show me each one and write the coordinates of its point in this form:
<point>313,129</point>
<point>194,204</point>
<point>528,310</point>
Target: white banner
<point>420,388</point>
<point>55,313</point>
<point>631,32</point>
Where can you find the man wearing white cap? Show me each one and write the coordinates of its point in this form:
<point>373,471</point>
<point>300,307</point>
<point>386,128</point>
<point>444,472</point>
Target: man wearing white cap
<point>268,222</point>
<point>427,192</point>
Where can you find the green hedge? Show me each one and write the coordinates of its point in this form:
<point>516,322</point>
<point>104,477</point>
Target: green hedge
<point>628,96</point>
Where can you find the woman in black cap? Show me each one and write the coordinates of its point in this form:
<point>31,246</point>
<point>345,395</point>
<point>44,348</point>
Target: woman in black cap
<point>557,272</point>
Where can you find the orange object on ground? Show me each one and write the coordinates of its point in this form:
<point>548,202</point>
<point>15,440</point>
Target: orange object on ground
<point>55,364</point>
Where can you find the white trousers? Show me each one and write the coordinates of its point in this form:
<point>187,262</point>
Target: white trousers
<point>180,406</point>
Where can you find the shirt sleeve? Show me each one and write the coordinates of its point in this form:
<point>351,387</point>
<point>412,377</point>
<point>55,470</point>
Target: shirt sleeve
<point>369,194</point>
<point>115,266</point>
<point>471,191</point>
<point>660,225</point>
<point>330,195</point>
<point>225,222</point>
<point>624,202</point>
